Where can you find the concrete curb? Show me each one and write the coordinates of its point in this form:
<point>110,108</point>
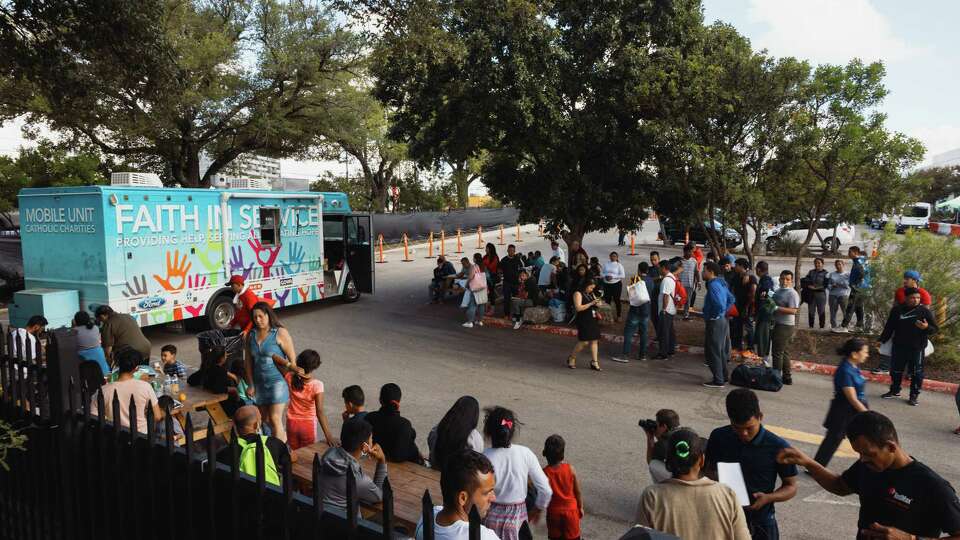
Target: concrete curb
<point>805,367</point>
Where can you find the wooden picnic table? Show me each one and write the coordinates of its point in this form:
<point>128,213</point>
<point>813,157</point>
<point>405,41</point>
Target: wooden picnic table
<point>198,398</point>
<point>408,480</point>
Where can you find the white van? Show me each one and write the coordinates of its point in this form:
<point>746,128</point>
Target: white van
<point>912,216</point>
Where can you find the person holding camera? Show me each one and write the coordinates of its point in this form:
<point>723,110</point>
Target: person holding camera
<point>658,431</point>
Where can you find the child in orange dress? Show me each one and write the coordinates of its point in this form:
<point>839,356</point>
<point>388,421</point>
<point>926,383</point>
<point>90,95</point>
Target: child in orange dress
<point>566,505</point>
<point>306,404</point>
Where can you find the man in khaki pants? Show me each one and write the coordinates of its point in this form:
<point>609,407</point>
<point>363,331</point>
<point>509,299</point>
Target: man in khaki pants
<point>784,323</point>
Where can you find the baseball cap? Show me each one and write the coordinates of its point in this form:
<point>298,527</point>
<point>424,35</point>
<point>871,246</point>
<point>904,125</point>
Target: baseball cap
<point>912,274</point>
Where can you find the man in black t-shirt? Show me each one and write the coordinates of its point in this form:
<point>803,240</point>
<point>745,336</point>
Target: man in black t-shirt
<point>510,266</point>
<point>899,496</point>
<point>744,290</point>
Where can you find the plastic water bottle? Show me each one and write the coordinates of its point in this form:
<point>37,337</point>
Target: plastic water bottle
<point>174,387</point>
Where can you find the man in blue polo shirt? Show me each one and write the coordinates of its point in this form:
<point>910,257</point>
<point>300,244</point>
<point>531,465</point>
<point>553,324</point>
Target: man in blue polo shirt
<point>747,442</point>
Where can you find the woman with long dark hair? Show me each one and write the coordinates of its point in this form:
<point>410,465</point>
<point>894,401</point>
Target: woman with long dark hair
<point>588,326</point>
<point>848,397</point>
<point>514,465</point>
<point>477,288</point>
<point>88,341</point>
<point>270,352</point>
<point>491,264</point>
<point>457,431</point>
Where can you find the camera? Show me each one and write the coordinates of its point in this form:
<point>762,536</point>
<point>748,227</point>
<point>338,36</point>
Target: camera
<point>648,424</point>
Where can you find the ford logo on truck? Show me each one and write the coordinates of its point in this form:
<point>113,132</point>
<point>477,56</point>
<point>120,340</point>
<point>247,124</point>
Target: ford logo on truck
<point>151,303</point>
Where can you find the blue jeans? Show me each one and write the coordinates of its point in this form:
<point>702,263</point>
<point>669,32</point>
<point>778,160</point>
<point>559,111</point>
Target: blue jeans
<point>638,318</point>
<point>763,527</point>
<point>474,311</point>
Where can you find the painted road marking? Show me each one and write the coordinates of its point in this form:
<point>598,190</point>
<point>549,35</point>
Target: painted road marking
<point>825,497</point>
<point>845,449</point>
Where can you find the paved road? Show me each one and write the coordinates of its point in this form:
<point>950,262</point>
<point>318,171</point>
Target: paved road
<point>396,336</point>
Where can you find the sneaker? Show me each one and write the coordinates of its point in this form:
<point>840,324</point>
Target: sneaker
<point>788,380</point>
<point>479,323</point>
<point>517,325</point>
<point>621,359</point>
<point>467,325</point>
<point>660,357</point>
<point>643,358</point>
<point>878,371</point>
<point>711,384</point>
<point>840,330</point>
<point>912,401</point>
<point>890,395</point>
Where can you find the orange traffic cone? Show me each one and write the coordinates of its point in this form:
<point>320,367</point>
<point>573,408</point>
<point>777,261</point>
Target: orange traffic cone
<point>406,249</point>
<point>459,242</point>
<point>380,249</point>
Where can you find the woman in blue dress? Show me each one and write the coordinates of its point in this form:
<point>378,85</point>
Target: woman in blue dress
<point>269,353</point>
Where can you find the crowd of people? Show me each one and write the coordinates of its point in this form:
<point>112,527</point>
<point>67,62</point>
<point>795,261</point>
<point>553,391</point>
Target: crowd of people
<point>276,398</point>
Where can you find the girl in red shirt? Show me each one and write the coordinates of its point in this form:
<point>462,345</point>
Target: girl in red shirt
<point>491,264</point>
<point>566,505</point>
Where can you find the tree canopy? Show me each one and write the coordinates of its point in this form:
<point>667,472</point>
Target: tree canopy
<point>162,81</point>
<point>558,93</point>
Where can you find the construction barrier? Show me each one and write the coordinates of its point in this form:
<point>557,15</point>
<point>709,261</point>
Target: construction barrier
<point>380,250</point>
<point>479,237</point>
<point>459,242</point>
<point>519,239</point>
<point>406,250</point>
<point>443,240</point>
<point>946,229</point>
<point>633,245</point>
<point>501,243</point>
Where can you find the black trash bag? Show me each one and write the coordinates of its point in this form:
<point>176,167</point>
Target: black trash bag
<point>232,342</point>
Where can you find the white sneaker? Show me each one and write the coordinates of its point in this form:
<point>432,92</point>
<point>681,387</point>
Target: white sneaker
<point>517,325</point>
<point>479,323</point>
<point>621,359</point>
<point>467,325</point>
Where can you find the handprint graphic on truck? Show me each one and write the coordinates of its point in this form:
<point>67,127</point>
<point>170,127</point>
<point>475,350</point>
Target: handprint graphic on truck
<point>295,256</point>
<point>236,262</point>
<point>266,255</point>
<point>211,255</point>
<point>177,270</point>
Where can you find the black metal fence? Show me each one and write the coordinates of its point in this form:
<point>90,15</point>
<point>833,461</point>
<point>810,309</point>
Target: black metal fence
<point>81,477</point>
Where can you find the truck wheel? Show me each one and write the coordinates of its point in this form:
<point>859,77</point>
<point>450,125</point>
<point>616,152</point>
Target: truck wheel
<point>350,291</point>
<point>220,312</point>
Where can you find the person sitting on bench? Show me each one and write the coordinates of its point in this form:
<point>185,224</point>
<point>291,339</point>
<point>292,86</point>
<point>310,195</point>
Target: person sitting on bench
<point>442,279</point>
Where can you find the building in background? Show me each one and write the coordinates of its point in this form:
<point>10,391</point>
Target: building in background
<point>946,159</point>
<point>263,170</point>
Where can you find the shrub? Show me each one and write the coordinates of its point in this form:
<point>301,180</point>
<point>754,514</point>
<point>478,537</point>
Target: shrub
<point>935,257</point>
<point>10,439</point>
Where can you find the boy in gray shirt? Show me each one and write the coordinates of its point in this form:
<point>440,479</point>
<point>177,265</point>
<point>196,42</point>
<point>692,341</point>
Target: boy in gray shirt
<point>784,323</point>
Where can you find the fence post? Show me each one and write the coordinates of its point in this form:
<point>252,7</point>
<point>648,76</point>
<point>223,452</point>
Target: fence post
<point>380,248</point>
<point>426,516</point>
<point>188,484</point>
<point>387,510</point>
<point>474,517</point>
<point>261,486</point>
<point>171,505</point>
<point>211,480</point>
<point>62,365</point>
<point>317,499</point>
<point>234,483</point>
<point>459,242</point>
<point>287,480</point>
<point>351,506</point>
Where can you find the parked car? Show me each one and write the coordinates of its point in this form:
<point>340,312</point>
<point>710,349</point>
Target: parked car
<point>911,216</point>
<point>797,230</point>
<point>674,232</point>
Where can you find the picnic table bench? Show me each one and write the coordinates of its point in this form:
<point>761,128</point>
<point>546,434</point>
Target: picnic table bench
<point>408,480</point>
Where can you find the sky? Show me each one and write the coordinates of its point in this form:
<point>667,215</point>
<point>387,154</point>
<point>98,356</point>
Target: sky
<point>917,42</point>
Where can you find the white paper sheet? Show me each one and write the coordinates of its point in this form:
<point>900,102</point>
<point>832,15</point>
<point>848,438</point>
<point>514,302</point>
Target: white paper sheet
<point>731,475</point>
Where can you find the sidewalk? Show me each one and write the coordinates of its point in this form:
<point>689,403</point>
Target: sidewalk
<point>805,367</point>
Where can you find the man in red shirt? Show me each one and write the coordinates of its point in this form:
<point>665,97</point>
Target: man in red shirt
<point>244,300</point>
<point>911,279</point>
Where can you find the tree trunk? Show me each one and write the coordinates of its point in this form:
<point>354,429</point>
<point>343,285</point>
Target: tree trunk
<point>378,196</point>
<point>461,180</point>
<point>747,246</point>
<point>573,233</point>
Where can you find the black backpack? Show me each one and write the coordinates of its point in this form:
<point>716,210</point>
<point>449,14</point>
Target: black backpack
<point>757,377</point>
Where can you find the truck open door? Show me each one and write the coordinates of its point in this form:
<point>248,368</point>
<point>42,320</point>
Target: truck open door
<point>360,251</point>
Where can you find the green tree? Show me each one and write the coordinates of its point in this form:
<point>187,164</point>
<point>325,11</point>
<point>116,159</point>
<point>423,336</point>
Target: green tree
<point>721,145</point>
<point>842,148</point>
<point>926,253</point>
<point>46,165</point>
<point>167,80</point>
<point>938,183</point>
<point>559,94</point>
<point>357,193</point>
<point>359,129</point>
